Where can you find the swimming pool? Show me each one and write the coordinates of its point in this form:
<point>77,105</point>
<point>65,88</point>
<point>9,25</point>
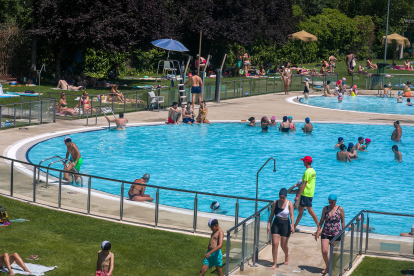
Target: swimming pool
<point>224,158</point>
<point>362,104</point>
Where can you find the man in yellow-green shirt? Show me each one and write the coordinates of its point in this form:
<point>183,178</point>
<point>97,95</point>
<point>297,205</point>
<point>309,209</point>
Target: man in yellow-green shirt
<point>306,191</point>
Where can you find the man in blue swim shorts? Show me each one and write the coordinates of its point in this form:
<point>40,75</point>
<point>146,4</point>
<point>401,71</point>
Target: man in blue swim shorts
<point>188,115</point>
<point>196,83</point>
<point>214,256</point>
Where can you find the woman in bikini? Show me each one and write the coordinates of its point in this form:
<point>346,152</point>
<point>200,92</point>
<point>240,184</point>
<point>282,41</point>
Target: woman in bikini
<point>62,107</point>
<point>333,221</point>
<point>202,113</point>
<point>65,86</point>
<point>136,192</point>
<point>85,103</point>
<point>287,73</point>
<point>246,63</point>
<point>407,91</point>
<point>115,95</point>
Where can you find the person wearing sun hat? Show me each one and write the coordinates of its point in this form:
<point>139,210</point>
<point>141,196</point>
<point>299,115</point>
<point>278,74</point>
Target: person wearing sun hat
<point>307,191</point>
<point>333,221</point>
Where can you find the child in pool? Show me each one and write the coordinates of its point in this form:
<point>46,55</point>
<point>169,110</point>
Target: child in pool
<point>409,102</point>
<point>340,98</point>
<point>400,98</point>
<point>386,90</point>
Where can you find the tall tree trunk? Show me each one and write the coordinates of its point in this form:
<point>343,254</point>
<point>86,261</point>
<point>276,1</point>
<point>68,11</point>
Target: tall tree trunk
<point>34,51</point>
<point>58,61</point>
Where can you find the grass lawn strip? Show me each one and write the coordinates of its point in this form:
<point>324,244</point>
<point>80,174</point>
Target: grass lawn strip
<point>381,266</point>
<point>72,242</point>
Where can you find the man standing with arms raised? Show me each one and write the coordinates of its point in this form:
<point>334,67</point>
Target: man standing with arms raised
<point>196,83</point>
<point>306,191</point>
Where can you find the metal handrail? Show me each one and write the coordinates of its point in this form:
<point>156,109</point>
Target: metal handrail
<point>60,160</point>
<point>47,99</point>
<point>133,183</point>
<point>249,218</point>
<point>38,174</point>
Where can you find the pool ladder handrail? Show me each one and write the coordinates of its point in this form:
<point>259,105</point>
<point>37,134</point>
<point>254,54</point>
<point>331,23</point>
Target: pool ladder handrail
<point>40,163</point>
<point>63,160</point>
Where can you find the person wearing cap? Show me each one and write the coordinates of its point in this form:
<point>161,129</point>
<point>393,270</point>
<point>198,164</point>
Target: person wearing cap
<point>333,221</point>
<point>307,89</point>
<point>273,120</point>
<point>340,98</point>
<point>75,160</point>
<point>307,191</point>
<point>343,155</point>
<point>136,191</point>
<point>400,98</point>
<point>409,102</point>
<point>284,126</point>
<point>340,142</point>
<point>386,90</point>
<point>196,86</point>
<point>214,256</point>
<point>252,121</point>
<point>352,151</point>
<point>105,264</point>
<point>292,126</point>
<point>397,133</point>
<point>358,146</point>
<point>336,91</point>
<point>397,153</point>
<point>120,122</point>
<point>308,126</point>
<point>409,234</point>
<point>281,228</point>
<point>365,146</point>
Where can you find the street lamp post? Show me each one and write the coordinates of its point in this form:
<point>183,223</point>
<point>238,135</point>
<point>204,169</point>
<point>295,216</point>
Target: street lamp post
<point>386,32</point>
<point>255,244</point>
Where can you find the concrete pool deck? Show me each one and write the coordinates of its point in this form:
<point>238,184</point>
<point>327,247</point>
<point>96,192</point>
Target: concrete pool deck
<point>233,109</point>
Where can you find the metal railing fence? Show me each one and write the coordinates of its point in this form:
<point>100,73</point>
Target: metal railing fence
<point>27,113</point>
<point>241,242</point>
<point>193,203</point>
<point>343,253</point>
<point>375,81</point>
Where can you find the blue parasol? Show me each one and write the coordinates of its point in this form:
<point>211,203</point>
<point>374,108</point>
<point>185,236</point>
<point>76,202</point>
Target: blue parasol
<point>170,45</point>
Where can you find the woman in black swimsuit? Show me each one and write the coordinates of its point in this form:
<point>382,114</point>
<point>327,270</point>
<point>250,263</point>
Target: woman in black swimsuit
<point>136,192</point>
<point>265,123</point>
<point>284,126</point>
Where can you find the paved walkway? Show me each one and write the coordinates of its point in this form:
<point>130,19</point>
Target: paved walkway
<point>304,249</point>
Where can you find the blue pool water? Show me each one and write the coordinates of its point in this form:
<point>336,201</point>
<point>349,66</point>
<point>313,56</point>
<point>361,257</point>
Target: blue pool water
<point>224,158</point>
<point>363,104</point>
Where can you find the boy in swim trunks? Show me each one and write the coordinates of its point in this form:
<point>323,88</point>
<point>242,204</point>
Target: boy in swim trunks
<point>188,115</point>
<point>196,83</point>
<point>174,114</point>
<point>76,159</point>
<point>214,256</point>
<point>105,264</point>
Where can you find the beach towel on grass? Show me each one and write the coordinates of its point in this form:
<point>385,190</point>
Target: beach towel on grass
<point>34,268</point>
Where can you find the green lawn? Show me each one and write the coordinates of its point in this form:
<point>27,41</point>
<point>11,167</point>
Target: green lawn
<point>72,242</point>
<point>384,267</point>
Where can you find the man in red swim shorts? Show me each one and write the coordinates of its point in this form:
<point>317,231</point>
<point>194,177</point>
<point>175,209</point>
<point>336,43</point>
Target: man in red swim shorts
<point>174,114</point>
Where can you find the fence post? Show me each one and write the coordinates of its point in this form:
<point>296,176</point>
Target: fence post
<point>352,245</point>
<point>367,231</point>
<point>14,115</point>
<point>228,254</point>
<point>195,213</point>
<point>242,93</point>
<point>236,214</point>
<point>251,87</point>
<point>41,112</point>
<point>124,101</point>
<point>255,241</point>
<point>399,83</point>
<point>243,245</point>
<point>330,259</point>
<point>225,92</point>
<point>100,104</point>
<point>11,178</point>
<point>1,119</point>
<point>342,253</point>
<point>234,90</point>
<point>136,101</point>
<point>60,190</point>
<point>87,117</point>
<point>88,206</point>
<point>121,207</point>
<point>54,110</point>
<point>113,103</point>
<point>361,234</point>
<point>266,85</point>
<point>157,203</point>
<point>34,184</point>
<point>274,84</point>
<point>258,87</point>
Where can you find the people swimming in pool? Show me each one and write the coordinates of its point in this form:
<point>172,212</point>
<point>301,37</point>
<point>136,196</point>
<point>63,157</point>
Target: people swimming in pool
<point>340,142</point>
<point>352,151</point>
<point>397,133</point>
<point>284,126</point>
<point>397,153</point>
<point>292,126</point>
<point>252,121</point>
<point>188,114</point>
<point>365,146</point>
<point>340,98</point>
<point>409,102</point>
<point>358,146</point>
<point>273,121</point>
<point>336,91</point>
<point>75,160</point>
<point>400,98</point>
<point>308,126</point>
<point>265,123</point>
<point>136,192</point>
<point>120,122</point>
<point>343,155</point>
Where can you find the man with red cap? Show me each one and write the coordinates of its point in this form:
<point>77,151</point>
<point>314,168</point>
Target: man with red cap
<point>306,191</point>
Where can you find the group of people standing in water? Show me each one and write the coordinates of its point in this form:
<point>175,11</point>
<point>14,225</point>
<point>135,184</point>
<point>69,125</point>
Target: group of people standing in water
<point>287,125</point>
<point>351,152</point>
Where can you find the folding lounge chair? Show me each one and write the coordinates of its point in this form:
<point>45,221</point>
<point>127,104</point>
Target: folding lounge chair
<point>155,100</point>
